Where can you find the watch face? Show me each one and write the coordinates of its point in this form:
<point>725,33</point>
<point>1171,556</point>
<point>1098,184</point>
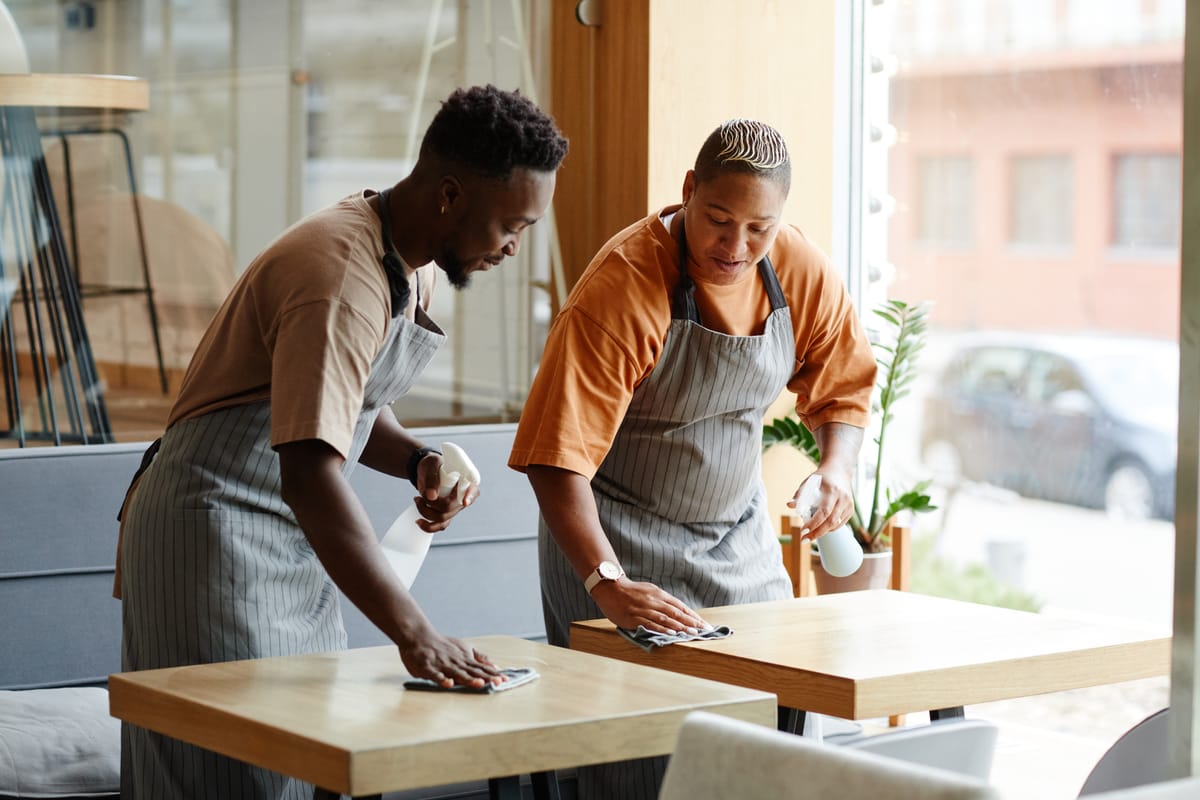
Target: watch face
<point>609,571</point>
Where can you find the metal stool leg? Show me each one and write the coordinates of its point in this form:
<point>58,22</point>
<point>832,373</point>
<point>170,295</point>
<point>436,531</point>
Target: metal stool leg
<point>45,277</point>
<point>148,290</point>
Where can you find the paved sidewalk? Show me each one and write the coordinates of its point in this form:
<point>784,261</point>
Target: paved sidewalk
<point>1048,744</point>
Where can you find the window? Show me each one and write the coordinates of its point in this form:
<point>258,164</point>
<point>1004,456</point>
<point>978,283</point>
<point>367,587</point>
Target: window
<point>1146,201</point>
<point>260,114</point>
<point>1071,113</point>
<point>1040,200</point>
<point>945,201</point>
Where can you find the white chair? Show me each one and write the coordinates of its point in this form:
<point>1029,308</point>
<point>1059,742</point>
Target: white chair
<point>1138,758</point>
<point>1182,789</point>
<point>717,757</point>
<point>966,746</point>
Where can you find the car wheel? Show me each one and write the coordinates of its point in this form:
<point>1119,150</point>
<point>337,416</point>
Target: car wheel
<point>1129,493</point>
<point>944,463</point>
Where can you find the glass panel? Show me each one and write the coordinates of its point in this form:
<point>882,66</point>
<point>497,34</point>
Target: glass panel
<point>378,76</point>
<point>946,200</point>
<point>1069,142</point>
<point>1047,404</point>
<point>1041,202</point>
<point>1146,201</point>
<point>341,94</point>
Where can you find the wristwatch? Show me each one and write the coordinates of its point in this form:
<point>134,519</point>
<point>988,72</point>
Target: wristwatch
<point>606,571</point>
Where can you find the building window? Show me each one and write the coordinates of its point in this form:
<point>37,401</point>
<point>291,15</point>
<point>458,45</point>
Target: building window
<point>1042,201</point>
<point>1146,201</point>
<point>946,210</point>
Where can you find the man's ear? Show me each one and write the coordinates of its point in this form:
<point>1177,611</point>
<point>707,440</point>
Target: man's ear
<point>450,191</point>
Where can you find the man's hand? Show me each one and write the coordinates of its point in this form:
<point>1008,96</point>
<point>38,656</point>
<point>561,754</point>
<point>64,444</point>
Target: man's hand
<point>447,661</point>
<point>628,604</point>
<point>436,512</point>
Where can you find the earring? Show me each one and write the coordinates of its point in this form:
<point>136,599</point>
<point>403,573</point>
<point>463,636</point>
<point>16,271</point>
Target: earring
<point>443,210</point>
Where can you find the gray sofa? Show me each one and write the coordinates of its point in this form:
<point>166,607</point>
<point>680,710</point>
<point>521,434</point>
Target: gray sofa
<point>60,626</point>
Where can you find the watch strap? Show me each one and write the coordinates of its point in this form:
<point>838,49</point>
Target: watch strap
<point>593,580</point>
<point>415,459</point>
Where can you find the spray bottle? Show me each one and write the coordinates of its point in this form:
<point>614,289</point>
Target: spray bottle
<point>841,555</point>
<point>405,544</point>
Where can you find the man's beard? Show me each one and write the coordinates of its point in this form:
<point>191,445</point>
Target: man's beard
<point>455,269</point>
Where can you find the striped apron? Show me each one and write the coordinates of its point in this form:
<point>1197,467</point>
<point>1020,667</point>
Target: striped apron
<point>217,569</point>
<point>680,493</point>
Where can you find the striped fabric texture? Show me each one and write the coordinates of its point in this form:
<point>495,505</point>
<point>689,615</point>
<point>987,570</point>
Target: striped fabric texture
<point>680,494</point>
<point>216,569</point>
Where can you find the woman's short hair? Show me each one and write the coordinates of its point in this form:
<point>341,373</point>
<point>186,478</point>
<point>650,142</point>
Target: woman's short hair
<point>745,145</point>
<point>494,132</point>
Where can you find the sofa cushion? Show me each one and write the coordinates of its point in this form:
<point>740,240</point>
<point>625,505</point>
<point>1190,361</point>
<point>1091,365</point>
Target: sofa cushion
<point>58,743</point>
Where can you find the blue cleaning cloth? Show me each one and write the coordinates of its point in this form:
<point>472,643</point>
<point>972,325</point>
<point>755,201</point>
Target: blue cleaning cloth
<point>648,640</point>
<point>518,676</point>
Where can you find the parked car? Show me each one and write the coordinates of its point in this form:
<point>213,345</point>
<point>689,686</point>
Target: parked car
<point>1087,420</point>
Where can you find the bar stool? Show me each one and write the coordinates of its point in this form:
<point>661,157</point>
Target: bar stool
<point>86,289</point>
<point>40,305</point>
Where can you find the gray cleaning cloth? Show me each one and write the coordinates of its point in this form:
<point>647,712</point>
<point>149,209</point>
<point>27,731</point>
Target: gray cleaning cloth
<point>648,640</point>
<point>518,676</point>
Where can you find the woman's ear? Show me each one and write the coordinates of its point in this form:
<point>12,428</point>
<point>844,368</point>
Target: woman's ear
<point>689,186</point>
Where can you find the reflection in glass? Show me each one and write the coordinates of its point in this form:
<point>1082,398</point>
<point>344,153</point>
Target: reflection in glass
<point>1050,382</point>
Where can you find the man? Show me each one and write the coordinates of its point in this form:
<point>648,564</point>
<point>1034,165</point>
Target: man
<point>237,532</point>
<point>641,436</point>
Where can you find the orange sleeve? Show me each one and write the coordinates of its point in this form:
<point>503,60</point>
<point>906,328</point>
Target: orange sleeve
<point>835,365</point>
<point>603,343</point>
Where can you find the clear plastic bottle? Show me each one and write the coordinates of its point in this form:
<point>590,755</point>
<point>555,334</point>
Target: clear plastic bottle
<point>405,544</point>
<point>840,552</point>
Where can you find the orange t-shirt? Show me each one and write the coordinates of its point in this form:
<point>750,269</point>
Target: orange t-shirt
<point>301,328</point>
<point>610,333</point>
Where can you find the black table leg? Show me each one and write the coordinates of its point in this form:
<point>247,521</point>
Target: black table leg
<point>508,788</point>
<point>545,785</point>
<point>954,712</point>
<point>791,720</point>
<point>326,794</point>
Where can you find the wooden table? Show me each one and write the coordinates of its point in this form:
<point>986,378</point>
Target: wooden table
<point>35,269</point>
<point>872,654</point>
<point>344,722</point>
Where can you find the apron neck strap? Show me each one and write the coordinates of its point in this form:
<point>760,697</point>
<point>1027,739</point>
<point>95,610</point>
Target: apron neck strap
<point>393,265</point>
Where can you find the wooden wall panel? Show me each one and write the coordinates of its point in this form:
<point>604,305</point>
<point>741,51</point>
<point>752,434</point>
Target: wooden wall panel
<point>771,60</point>
<point>638,94</point>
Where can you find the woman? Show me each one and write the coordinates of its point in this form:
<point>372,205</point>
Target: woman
<point>641,436</point>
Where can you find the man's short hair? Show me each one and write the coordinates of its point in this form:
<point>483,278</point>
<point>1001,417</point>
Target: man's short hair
<point>494,132</point>
<point>748,146</point>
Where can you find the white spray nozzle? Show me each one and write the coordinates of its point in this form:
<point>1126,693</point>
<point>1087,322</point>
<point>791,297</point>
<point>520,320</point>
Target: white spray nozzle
<point>808,497</point>
<point>456,468</point>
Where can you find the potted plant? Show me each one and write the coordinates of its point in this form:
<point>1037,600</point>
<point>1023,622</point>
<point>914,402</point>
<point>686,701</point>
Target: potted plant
<point>896,354</point>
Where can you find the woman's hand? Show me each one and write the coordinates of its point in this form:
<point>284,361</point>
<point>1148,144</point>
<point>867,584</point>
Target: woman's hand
<point>834,506</point>
<point>628,604</point>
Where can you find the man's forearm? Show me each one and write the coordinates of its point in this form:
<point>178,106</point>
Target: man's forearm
<point>337,527</point>
<point>389,446</point>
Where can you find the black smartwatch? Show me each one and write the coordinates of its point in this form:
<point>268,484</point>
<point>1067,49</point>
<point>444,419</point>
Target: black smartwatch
<point>415,459</point>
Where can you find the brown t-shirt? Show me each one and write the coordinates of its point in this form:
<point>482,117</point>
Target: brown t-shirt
<point>610,333</point>
<point>301,328</point>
